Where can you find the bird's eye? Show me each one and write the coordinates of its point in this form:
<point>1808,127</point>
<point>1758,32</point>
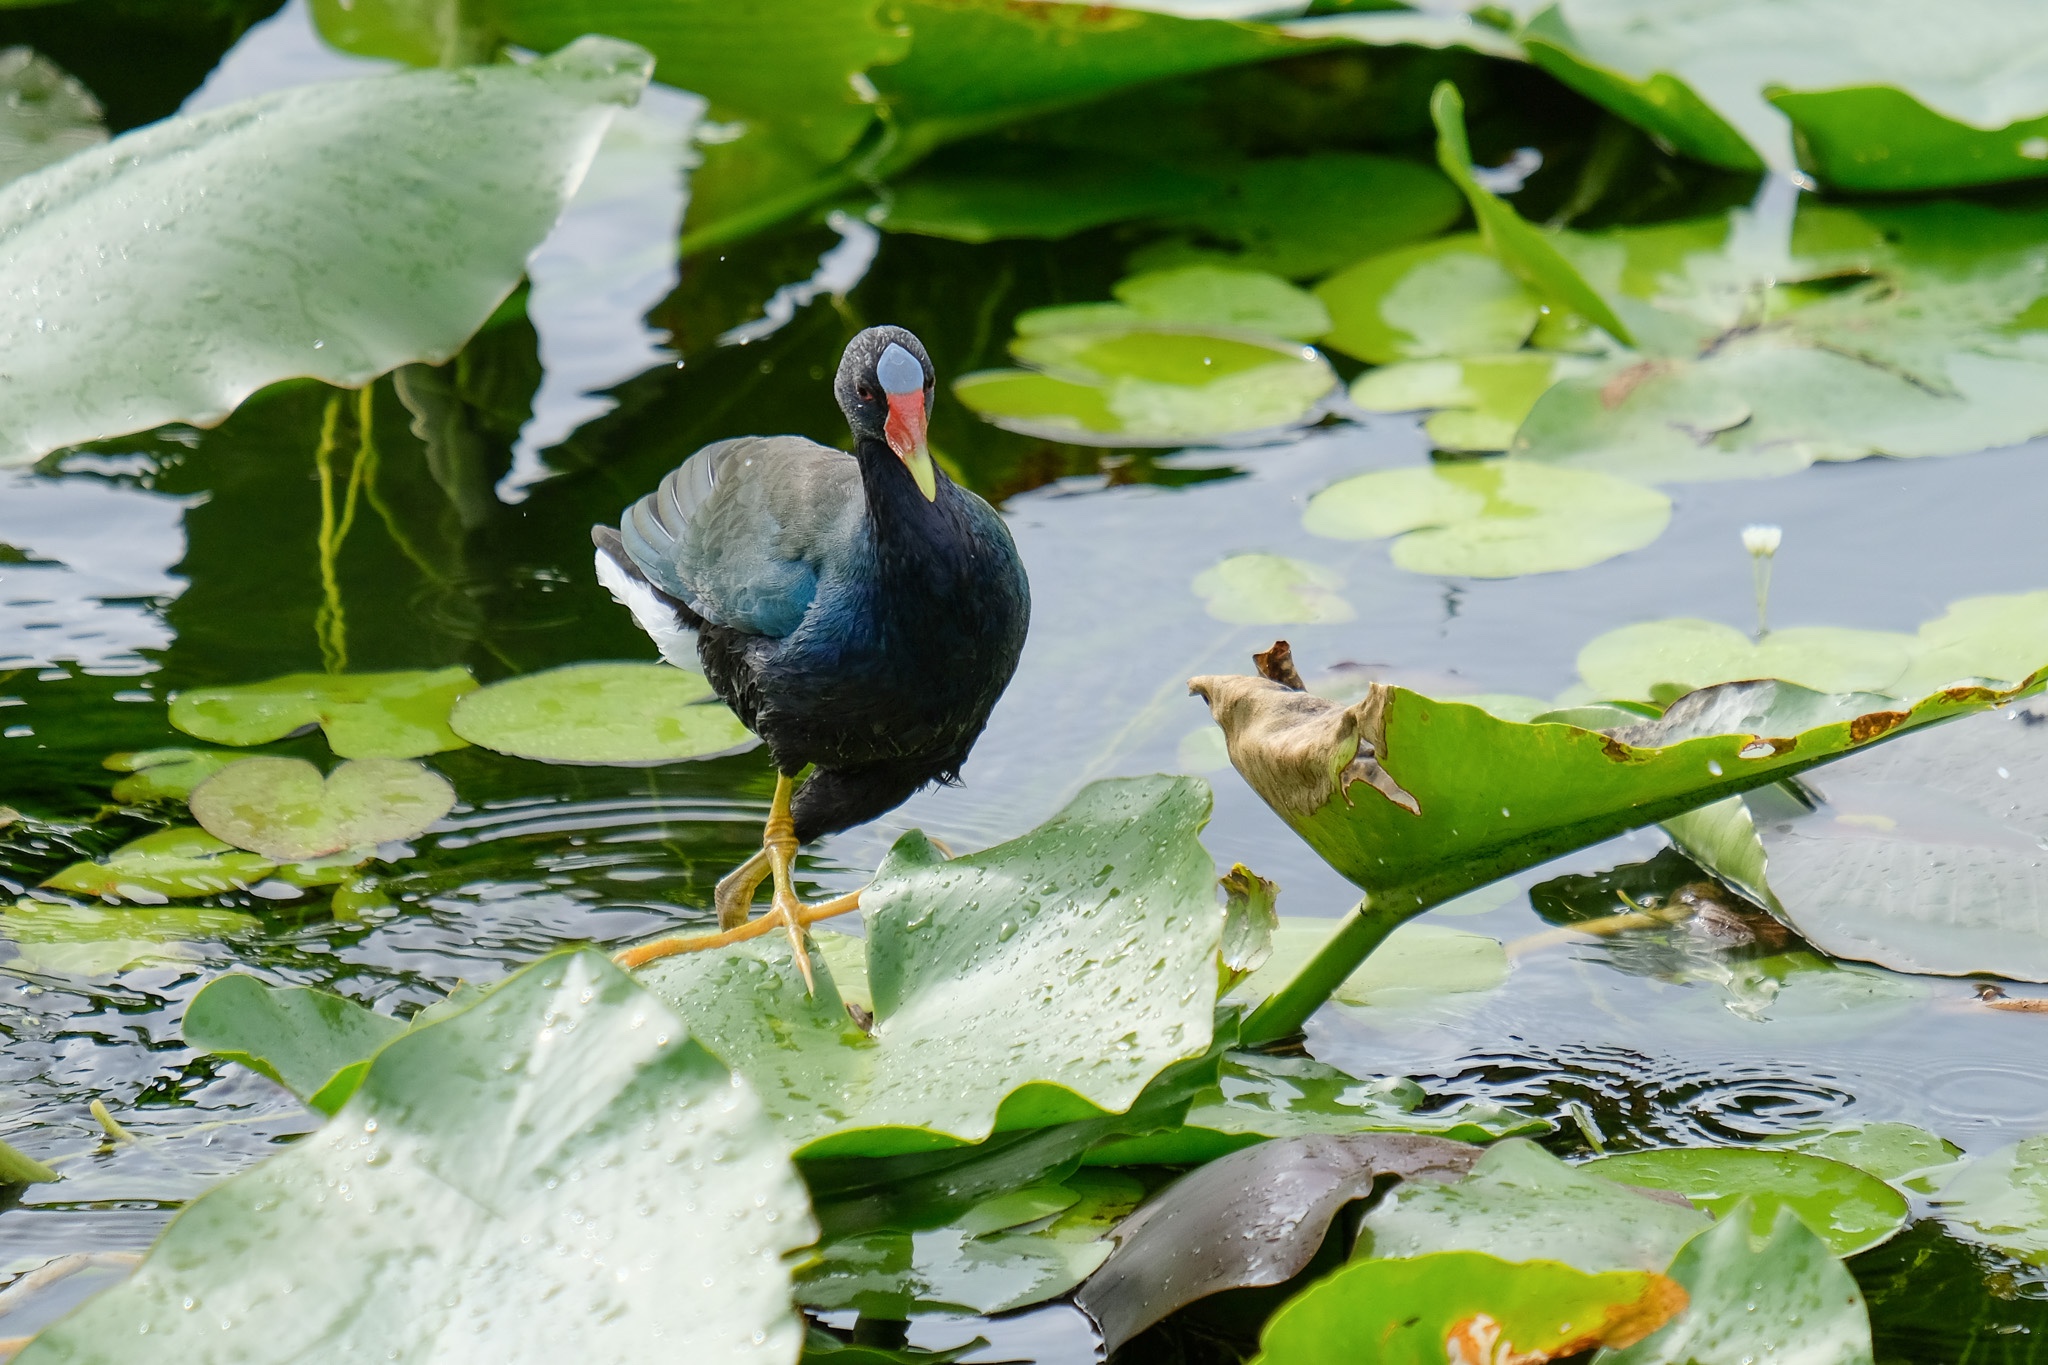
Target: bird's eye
<point>867,395</point>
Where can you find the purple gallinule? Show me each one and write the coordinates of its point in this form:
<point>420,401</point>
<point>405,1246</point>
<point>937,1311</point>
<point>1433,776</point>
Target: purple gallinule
<point>860,613</point>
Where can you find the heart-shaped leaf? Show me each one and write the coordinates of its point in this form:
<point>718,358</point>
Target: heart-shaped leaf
<point>283,809</point>
<point>365,715</point>
<point>1476,402</point>
<point>621,714</point>
<point>1449,296</point>
<point>1261,589</point>
<point>556,1172</point>
<point>314,1044</point>
<point>171,864</point>
<point>1848,1209</point>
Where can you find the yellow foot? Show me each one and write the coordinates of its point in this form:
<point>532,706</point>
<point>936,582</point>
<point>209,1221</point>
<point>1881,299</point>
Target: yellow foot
<point>806,915</point>
<point>736,889</point>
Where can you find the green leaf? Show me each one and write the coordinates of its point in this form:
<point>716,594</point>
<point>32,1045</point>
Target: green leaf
<point>1481,400</point>
<point>1846,1208</point>
<point>1525,250</point>
<point>171,864</point>
<point>1015,192</point>
<point>1403,821</point>
<point>1927,857</point>
<point>1114,899</point>
<point>1418,964</point>
<point>1521,1203</point>
<point>534,1178</point>
<point>1892,1152</point>
<point>45,114</point>
<point>94,943</point>
<point>165,774</point>
<point>1249,923</point>
<point>1875,138</point>
<point>1252,1218</point>
<point>1261,589</point>
<point>312,1043</point>
<point>280,231</point>
<point>1757,1295</point>
<point>1007,1252</point>
<point>283,809</point>
<point>621,714</point>
<point>1416,1311</point>
<point>2001,1200</point>
<point>1491,518</point>
<point>1213,296</point>
<point>364,715</point>
<point>1446,297</point>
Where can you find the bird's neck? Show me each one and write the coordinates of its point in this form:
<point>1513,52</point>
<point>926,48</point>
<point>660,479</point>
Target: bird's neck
<point>911,534</point>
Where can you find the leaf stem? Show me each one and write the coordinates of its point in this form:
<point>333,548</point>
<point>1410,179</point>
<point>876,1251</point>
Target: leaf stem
<point>1358,933</point>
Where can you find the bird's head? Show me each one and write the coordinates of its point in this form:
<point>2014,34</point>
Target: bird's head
<point>885,388</point>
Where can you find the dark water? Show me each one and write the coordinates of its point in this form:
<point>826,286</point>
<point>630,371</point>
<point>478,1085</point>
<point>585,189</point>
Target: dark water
<point>188,558</point>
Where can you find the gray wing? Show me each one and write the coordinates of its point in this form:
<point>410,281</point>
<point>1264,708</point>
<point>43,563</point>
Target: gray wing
<point>744,529</point>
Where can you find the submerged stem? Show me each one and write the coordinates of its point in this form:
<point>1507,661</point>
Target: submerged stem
<point>1358,933</point>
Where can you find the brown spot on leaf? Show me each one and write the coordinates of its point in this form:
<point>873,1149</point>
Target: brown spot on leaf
<point>1298,750</point>
<point>1616,750</point>
<point>1615,391</point>
<point>1277,665</point>
<point>1768,748</point>
<point>1479,1340</point>
<point>1867,727</point>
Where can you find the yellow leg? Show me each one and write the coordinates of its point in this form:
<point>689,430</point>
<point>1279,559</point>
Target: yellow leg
<point>696,943</point>
<point>736,890</point>
<point>778,841</point>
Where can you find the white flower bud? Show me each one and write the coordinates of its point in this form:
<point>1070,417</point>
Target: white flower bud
<point>1762,541</point>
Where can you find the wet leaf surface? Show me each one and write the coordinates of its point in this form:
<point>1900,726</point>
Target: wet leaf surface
<point>2001,1200</point>
<point>601,713</point>
<point>165,774</point>
<point>173,864</point>
<point>482,1158</point>
<point>1476,402</point>
<point>1449,296</point>
<point>90,941</point>
<point>1255,1217</point>
<point>312,1043</point>
<point>1848,1209</point>
<point>364,715</point>
<point>45,114</point>
<point>283,808</point>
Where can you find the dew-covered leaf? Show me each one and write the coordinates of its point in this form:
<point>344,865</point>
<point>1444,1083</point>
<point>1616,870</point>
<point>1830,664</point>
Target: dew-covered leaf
<point>334,230</point>
<point>1521,1203</point>
<point>1758,1289</point>
<point>1249,922</point>
<point>1491,518</point>
<point>2001,1200</point>
<point>530,1179</point>
<point>45,114</point>
<point>1464,1306</point>
<point>165,774</point>
<point>1255,1217</point>
<point>1262,589</point>
<point>623,714</point>
<point>364,715</point>
<point>1114,899</point>
<point>1847,1208</point>
<point>315,1044</point>
<point>283,809</point>
<point>95,942</point>
<point>1892,1152</point>
<point>1007,1252</point>
<point>1477,403</point>
<point>1446,297</point>
<point>172,864</point>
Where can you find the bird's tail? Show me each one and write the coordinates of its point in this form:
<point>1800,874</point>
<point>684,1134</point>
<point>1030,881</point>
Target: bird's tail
<point>654,611</point>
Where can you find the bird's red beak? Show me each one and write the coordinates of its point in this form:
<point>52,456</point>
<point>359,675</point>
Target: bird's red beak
<point>905,432</point>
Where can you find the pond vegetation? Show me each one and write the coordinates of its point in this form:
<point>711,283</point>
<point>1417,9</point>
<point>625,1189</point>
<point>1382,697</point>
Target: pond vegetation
<point>1401,381</point>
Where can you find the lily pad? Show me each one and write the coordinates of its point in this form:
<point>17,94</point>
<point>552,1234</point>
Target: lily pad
<point>1464,1306</point>
<point>94,942</point>
<point>1445,297</point>
<point>619,714</point>
<point>1928,857</point>
<point>1848,1209</point>
<point>1155,384</point>
<point>364,715</point>
<point>1114,899</point>
<point>1757,1295</point>
<point>283,809</point>
<point>1005,1253</point>
<point>546,1167</point>
<point>290,217</point>
<point>1194,295</point>
<point>171,864</point>
<point>1521,1203</point>
<point>1262,589</point>
<point>1418,964</point>
<point>1491,518</point>
<point>45,114</point>
<point>1252,1218</point>
<point>2001,1200</point>
<point>165,774</point>
<point>314,1044</point>
<point>1379,788</point>
<point>1477,403</point>
<point>1892,1152</point>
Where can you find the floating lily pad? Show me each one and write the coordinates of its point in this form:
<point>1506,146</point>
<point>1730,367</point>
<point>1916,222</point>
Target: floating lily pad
<point>364,715</point>
<point>1007,1252</point>
<point>565,1112</point>
<point>283,809</point>
<point>1114,899</point>
<point>1260,589</point>
<point>1755,1295</point>
<point>1446,297</point>
<point>314,1044</point>
<point>1491,518</point>
<point>1418,964</point>
<point>95,942</point>
<point>171,864</point>
<point>1846,1208</point>
<point>1465,1306</point>
<point>1476,403</point>
<point>45,114</point>
<point>1153,385</point>
<point>1521,1203</point>
<point>1890,1151</point>
<point>278,212</point>
<point>620,714</point>
<point>165,774</point>
<point>1195,296</point>
<point>2001,1200</point>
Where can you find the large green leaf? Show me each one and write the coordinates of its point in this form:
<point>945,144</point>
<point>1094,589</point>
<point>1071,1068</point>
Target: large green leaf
<point>1043,980</point>
<point>1926,857</point>
<point>1477,402</point>
<point>1272,590</point>
<point>1421,1310</point>
<point>314,1044</point>
<point>629,713</point>
<point>557,1172</point>
<point>1846,1208</point>
<point>171,864</point>
<point>2001,1200</point>
<point>1381,789</point>
<point>364,715</point>
<point>335,230</point>
<point>284,809</point>
<point>1758,1294</point>
<point>1521,1203</point>
<point>1446,297</point>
